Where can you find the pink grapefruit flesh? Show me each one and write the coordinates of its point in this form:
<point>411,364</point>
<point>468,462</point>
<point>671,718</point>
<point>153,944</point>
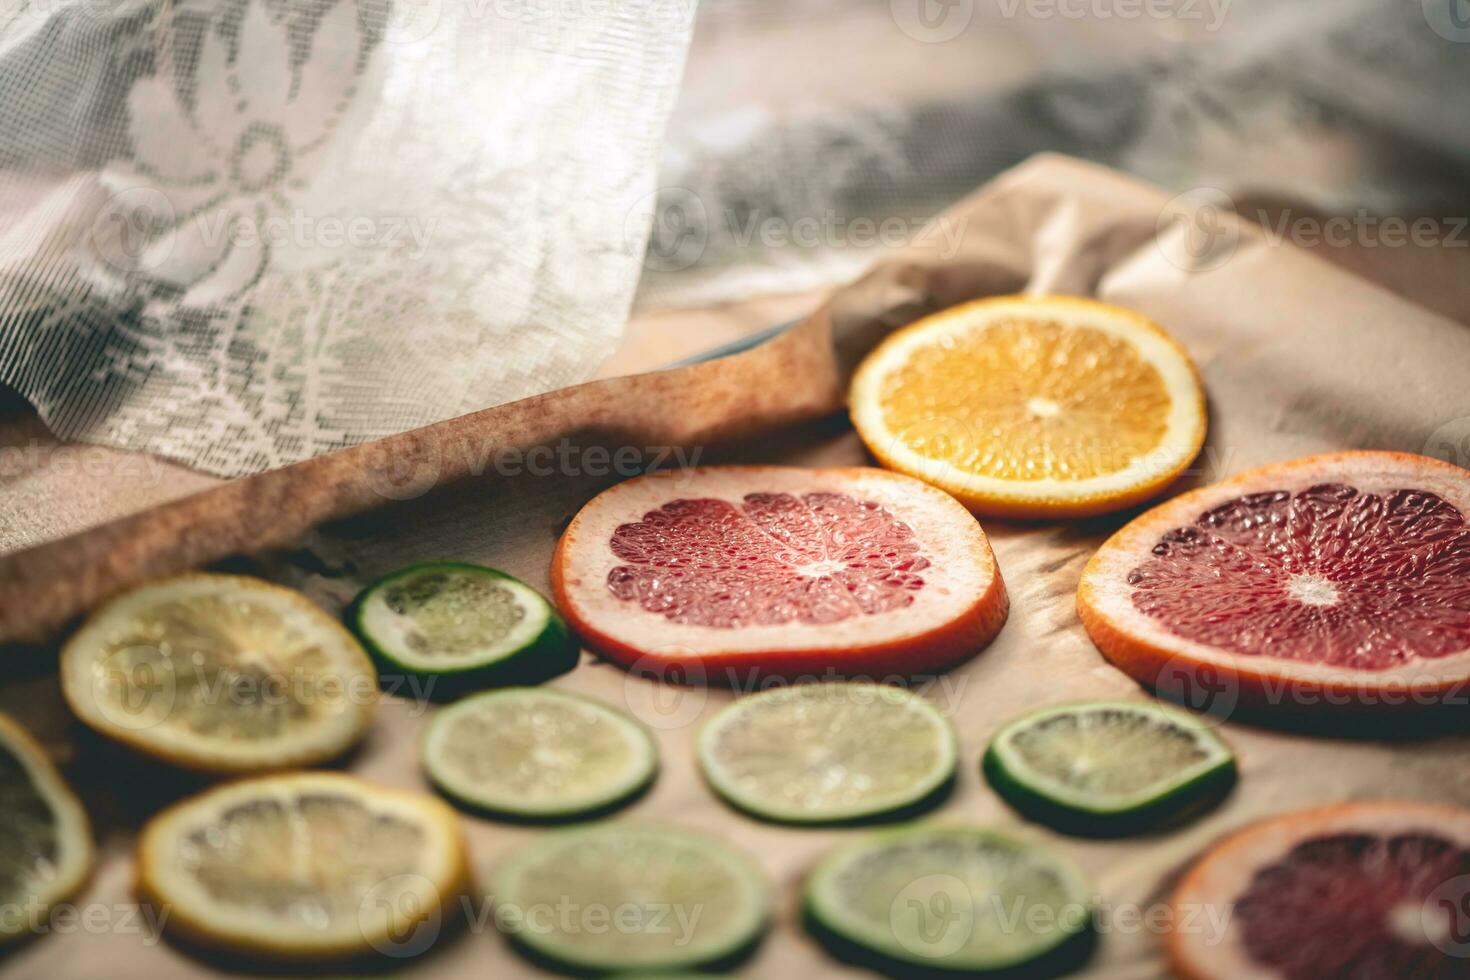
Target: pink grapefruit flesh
<point>1372,891</point>
<point>781,570</point>
<point>1346,576</point>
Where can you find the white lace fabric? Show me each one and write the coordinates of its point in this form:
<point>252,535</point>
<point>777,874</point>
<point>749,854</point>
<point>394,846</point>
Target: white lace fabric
<point>238,233</point>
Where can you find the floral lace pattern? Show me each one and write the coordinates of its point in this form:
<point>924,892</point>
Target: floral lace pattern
<point>241,233</point>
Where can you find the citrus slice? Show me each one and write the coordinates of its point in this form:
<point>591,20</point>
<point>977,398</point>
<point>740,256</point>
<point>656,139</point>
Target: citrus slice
<point>45,840</point>
<point>949,899</point>
<point>537,753</point>
<point>1338,582</point>
<point>1376,891</point>
<point>663,899</point>
<point>462,626</point>
<point>816,753</point>
<point>303,866</point>
<point>1033,406</point>
<point>776,570</point>
<point>220,673</point>
<point>1107,767</point>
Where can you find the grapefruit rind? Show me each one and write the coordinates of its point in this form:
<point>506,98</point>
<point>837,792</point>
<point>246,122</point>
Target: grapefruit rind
<point>1057,804</point>
<point>441,875</point>
<point>1224,872</point>
<point>1143,478</point>
<point>940,737</point>
<point>955,622</point>
<point>539,646</point>
<point>73,860</point>
<point>844,926</point>
<point>641,764</point>
<point>728,882</point>
<point>1157,658</point>
<point>340,710</point>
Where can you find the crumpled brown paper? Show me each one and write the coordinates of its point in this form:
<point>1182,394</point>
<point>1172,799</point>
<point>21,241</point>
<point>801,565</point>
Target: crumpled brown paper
<point>1297,356</point>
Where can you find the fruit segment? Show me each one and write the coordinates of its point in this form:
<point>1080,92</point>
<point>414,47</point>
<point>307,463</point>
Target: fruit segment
<point>220,673</point>
<point>1110,767</point>
<point>1337,582</point>
<point>1032,407</point>
<point>1369,890</point>
<point>670,899</point>
<point>537,753</point>
<point>817,753</point>
<point>949,899</point>
<point>721,574</point>
<point>461,627</point>
<point>304,866</point>
<point>45,839</point>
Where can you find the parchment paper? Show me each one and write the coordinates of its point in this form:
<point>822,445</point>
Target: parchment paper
<point>1298,357</point>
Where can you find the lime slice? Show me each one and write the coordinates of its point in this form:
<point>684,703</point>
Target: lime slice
<point>220,673</point>
<point>45,841</point>
<point>537,753</point>
<point>626,898</point>
<point>462,627</point>
<point>1107,767</point>
<point>304,866</point>
<point>949,899</point>
<point>821,753</point>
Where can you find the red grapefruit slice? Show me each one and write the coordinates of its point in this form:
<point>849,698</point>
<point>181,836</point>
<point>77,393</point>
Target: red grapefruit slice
<point>1339,581</point>
<point>1371,891</point>
<point>778,571</point>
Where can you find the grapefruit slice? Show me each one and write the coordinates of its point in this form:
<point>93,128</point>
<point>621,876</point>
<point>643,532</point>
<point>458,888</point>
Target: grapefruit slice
<point>1033,406</point>
<point>1373,891</point>
<point>1339,581</point>
<point>778,571</point>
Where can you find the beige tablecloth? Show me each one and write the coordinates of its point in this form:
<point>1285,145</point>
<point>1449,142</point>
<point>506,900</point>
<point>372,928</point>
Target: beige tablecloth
<point>1298,357</point>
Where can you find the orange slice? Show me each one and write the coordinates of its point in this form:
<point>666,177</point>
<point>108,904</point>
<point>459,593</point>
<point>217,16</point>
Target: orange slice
<point>1335,583</point>
<point>1033,407</point>
<point>1355,890</point>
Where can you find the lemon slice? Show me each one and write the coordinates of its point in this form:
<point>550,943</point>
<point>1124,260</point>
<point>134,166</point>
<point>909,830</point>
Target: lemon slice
<point>220,673</point>
<point>820,753</point>
<point>537,753</point>
<point>1033,407</point>
<point>304,866</point>
<point>625,898</point>
<point>45,841</point>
